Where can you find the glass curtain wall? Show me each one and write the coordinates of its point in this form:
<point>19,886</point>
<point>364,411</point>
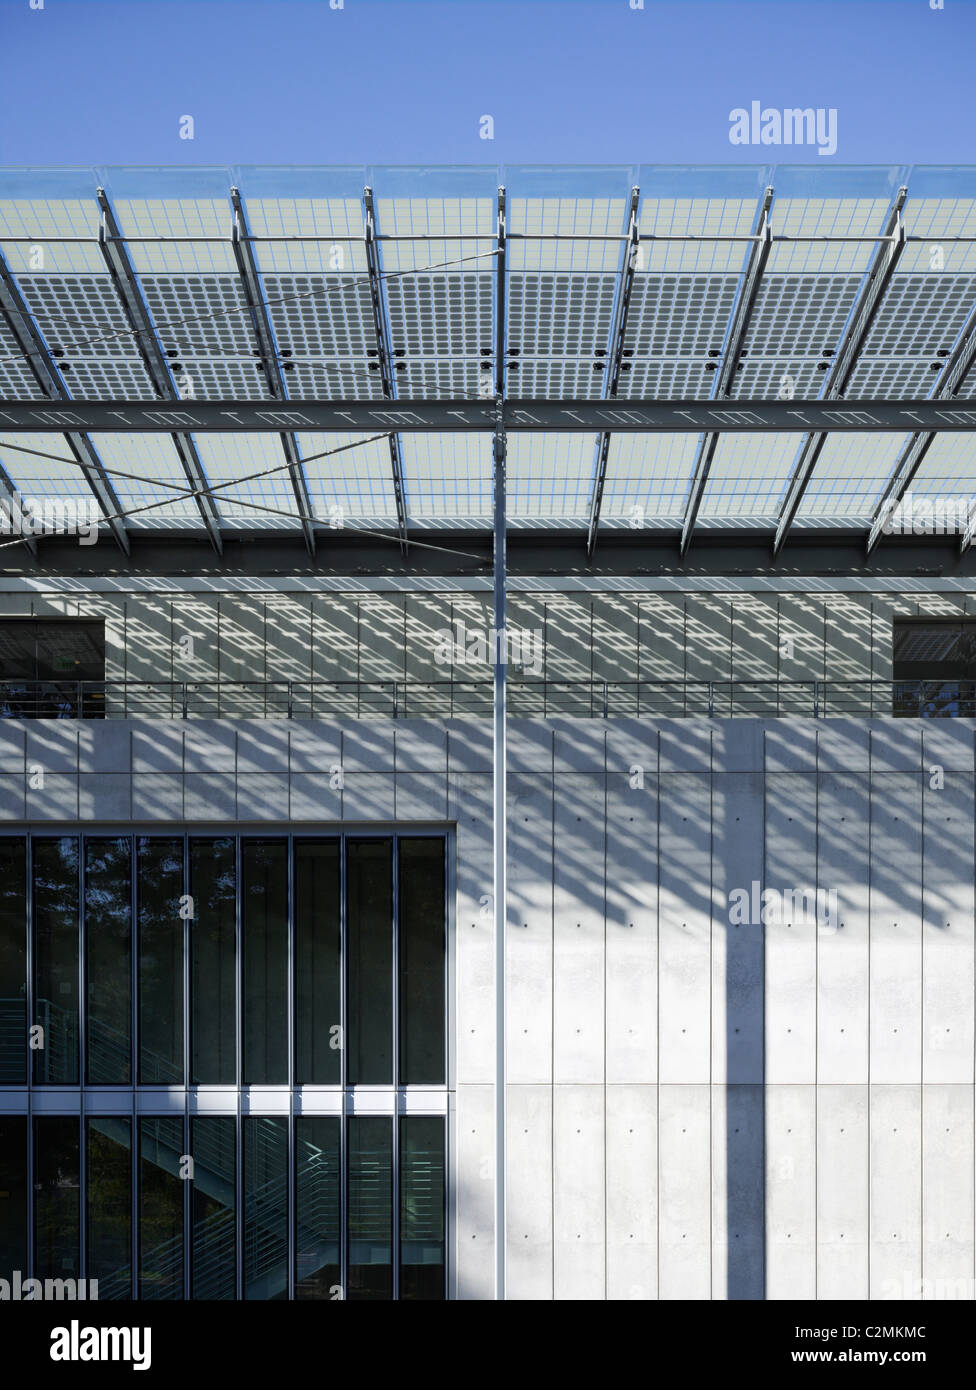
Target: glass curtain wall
<point>225,962</point>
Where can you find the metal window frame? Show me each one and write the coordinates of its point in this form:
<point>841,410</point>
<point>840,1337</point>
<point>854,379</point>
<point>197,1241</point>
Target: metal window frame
<point>138,1092</point>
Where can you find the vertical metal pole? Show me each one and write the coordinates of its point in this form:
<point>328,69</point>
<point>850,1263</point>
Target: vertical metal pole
<point>499,770</point>
<point>499,761</point>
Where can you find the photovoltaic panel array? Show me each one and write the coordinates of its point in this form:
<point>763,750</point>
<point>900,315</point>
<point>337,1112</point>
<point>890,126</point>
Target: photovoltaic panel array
<point>362,283</point>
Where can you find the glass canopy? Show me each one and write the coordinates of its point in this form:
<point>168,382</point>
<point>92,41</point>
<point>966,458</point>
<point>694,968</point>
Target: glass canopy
<point>642,283</point>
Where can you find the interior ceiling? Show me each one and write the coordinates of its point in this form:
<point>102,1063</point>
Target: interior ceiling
<point>603,297</point>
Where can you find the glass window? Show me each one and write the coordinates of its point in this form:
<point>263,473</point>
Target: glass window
<point>13,1195</point>
<point>13,960</point>
<point>213,1267</point>
<point>318,1004</point>
<point>421,952</point>
<point>264,913</point>
<point>160,888</point>
<point>369,953</point>
<point>265,1208</point>
<point>160,1208</point>
<point>108,942</point>
<point>370,1202</point>
<point>318,1249</point>
<point>213,968</point>
<point>41,662</point>
<point>57,1192</point>
<point>422,1207</point>
<point>56,958</point>
<point>108,1182</point>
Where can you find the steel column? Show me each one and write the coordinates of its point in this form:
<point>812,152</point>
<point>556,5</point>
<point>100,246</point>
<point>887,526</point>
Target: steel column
<point>500,760</point>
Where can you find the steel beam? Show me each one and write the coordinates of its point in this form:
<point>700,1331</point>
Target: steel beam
<point>264,335</point>
<point>955,369</point>
<point>385,355</point>
<point>120,268</point>
<point>859,325</point>
<point>725,376</point>
<point>611,380</point>
<point>468,416</point>
<point>48,378</point>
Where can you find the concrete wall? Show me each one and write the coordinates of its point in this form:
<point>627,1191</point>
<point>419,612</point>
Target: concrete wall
<point>698,1107</point>
<point>618,638</point>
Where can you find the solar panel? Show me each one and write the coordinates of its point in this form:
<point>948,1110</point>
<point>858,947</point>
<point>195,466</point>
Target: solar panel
<point>566,262</point>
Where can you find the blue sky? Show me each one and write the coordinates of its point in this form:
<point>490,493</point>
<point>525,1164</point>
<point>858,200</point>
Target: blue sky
<point>98,82</point>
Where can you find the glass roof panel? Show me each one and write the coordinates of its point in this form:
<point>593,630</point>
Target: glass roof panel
<point>210,218</point>
<point>748,477</point>
<point>36,476</point>
<point>948,468</point>
<point>448,479</point>
<point>849,478</point>
<point>550,478</point>
<point>648,477</point>
<point>354,485</point>
<point>152,460</point>
<point>258,503</point>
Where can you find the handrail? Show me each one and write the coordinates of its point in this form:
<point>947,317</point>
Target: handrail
<point>528,697</point>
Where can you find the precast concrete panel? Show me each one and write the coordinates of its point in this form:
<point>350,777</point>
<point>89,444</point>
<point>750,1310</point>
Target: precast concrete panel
<point>685,1191</point>
<point>791,942</point>
<point>579,1167</point>
<point>841,909</point>
<point>896,1186</point>
<point>896,927</point>
<point>530,1192</point>
<point>530,928</point>
<point>685,928</point>
<point>947,929</point>
<point>842,1191</point>
<point>632,1212</point>
<point>791,1191</point>
<point>948,1253</point>
<point>579,928</point>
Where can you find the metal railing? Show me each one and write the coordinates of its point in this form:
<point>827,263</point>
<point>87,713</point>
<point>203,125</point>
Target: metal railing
<point>527,697</point>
